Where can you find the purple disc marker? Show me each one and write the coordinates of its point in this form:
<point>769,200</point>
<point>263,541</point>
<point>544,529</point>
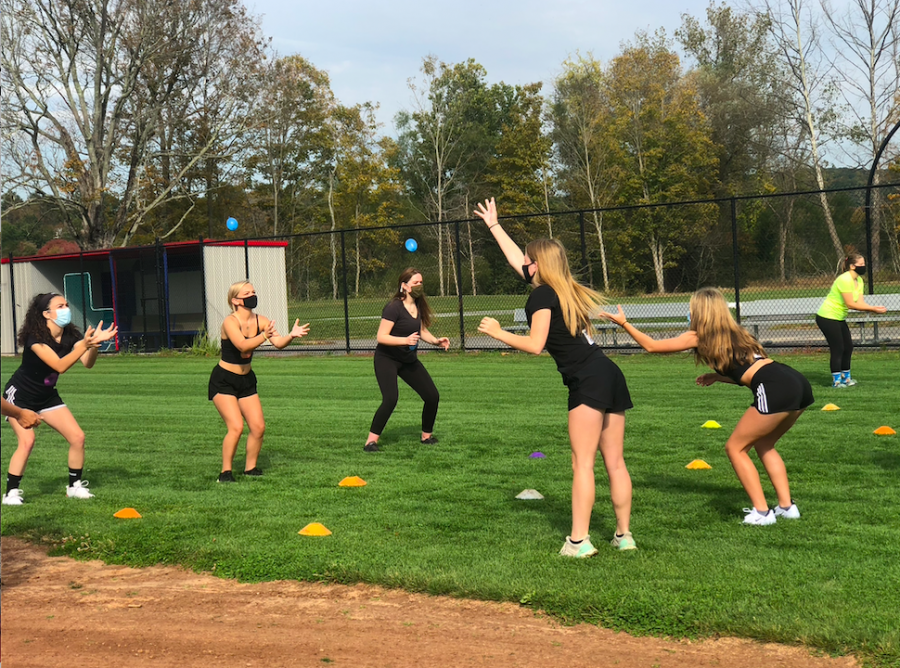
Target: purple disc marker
<point>537,455</point>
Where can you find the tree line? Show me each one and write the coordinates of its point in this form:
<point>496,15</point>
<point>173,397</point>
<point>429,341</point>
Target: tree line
<point>125,121</point>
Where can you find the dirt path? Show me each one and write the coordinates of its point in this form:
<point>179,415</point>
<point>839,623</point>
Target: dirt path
<point>62,612</point>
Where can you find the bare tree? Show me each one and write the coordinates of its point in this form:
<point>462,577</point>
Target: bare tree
<point>89,84</point>
<point>796,35</point>
<point>866,39</point>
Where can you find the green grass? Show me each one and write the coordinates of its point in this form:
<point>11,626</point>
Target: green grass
<point>444,519</point>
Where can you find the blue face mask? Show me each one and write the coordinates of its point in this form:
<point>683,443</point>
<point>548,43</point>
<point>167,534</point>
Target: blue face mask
<point>63,317</point>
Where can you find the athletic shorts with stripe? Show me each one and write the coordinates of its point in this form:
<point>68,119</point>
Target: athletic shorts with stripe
<point>777,388</point>
<point>47,399</point>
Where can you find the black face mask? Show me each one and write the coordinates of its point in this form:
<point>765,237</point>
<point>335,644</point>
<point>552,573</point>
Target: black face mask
<point>526,275</point>
<point>250,302</point>
<point>860,270</point>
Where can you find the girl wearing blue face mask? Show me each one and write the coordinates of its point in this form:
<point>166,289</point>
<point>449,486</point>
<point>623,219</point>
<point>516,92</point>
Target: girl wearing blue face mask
<point>51,346</point>
<point>232,384</point>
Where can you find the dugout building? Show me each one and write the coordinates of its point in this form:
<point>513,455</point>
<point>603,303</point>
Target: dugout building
<point>160,296</point>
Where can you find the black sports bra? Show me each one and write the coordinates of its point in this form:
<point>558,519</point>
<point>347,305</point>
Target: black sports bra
<point>232,355</point>
<point>738,369</point>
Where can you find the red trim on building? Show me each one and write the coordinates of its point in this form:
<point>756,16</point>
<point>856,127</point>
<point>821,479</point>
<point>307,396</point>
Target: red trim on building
<point>173,245</point>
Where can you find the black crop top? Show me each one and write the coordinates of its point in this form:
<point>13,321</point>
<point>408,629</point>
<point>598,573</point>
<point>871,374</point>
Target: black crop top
<point>738,369</point>
<point>232,355</point>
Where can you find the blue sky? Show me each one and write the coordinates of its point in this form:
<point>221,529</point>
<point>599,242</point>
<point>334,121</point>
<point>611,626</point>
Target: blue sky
<point>371,49</point>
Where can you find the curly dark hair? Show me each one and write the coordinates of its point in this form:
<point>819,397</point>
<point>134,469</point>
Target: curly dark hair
<point>35,325</point>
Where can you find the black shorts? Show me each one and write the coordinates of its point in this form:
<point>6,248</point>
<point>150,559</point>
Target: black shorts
<point>47,399</point>
<point>222,381</point>
<point>600,384</point>
<point>777,388</point>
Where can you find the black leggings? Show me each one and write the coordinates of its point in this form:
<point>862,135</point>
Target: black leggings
<point>414,375</point>
<point>837,333</point>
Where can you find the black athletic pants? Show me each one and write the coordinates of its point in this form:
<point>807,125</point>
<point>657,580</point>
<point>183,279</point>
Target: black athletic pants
<point>414,374</point>
<point>837,333</point>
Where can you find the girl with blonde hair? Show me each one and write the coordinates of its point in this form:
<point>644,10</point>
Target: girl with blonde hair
<point>232,384</point>
<point>781,394</point>
<point>558,312</point>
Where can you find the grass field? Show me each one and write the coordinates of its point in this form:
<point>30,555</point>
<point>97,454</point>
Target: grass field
<point>444,519</point>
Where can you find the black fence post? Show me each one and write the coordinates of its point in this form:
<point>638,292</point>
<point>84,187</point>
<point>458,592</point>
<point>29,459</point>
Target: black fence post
<point>736,254</point>
<point>459,292</point>
<point>84,297</point>
<point>161,306</point>
<point>203,281</point>
<point>585,267</point>
<point>12,299</point>
<point>869,207</point>
<point>346,304</point>
<point>246,259</point>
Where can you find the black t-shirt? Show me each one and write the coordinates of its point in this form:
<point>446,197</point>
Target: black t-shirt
<point>404,325</point>
<point>569,352</point>
<point>34,375</point>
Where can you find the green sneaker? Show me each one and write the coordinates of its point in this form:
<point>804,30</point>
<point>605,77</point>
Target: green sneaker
<point>623,542</point>
<point>578,550</point>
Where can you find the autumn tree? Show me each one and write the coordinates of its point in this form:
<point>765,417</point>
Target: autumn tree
<point>669,155</point>
<point>796,32</point>
<point>586,148</point>
<point>866,41</point>
<point>89,83</point>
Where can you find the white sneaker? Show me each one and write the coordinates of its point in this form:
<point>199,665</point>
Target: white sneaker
<point>791,513</point>
<point>79,490</point>
<point>849,382</point>
<point>13,498</point>
<point>753,516</point>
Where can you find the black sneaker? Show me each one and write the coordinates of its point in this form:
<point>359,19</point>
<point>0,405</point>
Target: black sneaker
<point>372,446</point>
<point>431,440</point>
<point>254,472</point>
<point>225,476</point>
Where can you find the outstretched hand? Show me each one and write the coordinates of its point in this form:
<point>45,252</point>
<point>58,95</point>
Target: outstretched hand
<point>102,335</point>
<point>298,330</point>
<point>618,318</point>
<point>707,379</point>
<point>490,326</point>
<point>881,309</point>
<point>270,330</point>
<point>487,211</point>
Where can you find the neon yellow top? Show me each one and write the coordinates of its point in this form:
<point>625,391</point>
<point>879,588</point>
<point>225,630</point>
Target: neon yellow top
<point>834,307</point>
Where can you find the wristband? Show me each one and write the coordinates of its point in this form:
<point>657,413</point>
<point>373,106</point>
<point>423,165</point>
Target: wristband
<point>490,227</point>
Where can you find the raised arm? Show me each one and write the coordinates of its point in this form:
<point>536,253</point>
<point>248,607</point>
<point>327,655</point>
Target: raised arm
<point>685,341</point>
<point>514,255</point>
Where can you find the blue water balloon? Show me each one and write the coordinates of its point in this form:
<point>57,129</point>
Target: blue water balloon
<point>231,224</point>
<point>411,245</point>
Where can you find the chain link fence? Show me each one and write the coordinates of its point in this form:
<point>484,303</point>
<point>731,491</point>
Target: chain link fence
<point>775,258</point>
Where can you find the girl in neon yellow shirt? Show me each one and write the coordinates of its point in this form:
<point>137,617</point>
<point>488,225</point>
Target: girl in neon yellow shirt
<point>846,293</point>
